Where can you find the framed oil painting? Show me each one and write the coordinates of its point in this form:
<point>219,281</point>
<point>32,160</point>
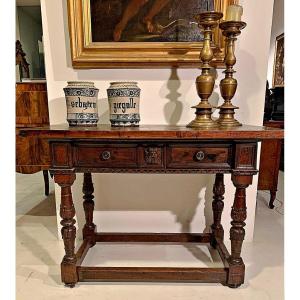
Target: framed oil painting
<point>140,33</point>
<point>278,72</point>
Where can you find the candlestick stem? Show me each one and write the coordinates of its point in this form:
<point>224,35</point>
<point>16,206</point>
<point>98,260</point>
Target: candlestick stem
<point>228,85</point>
<point>206,81</point>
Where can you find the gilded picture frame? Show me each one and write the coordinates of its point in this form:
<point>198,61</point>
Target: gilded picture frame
<point>278,70</point>
<point>87,54</point>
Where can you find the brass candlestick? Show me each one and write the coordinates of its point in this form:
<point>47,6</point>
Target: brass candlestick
<point>228,85</point>
<point>206,81</point>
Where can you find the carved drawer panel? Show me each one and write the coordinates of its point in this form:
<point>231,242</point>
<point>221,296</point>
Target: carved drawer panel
<point>199,156</point>
<point>245,156</point>
<point>105,156</point>
<point>151,156</point>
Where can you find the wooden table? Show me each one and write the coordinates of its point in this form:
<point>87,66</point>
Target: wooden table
<point>153,149</point>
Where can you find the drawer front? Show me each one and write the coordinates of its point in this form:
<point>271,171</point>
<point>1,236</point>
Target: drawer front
<point>199,156</point>
<point>105,156</point>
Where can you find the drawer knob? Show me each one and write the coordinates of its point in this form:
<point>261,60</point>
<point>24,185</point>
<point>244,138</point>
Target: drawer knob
<point>200,155</point>
<point>105,155</point>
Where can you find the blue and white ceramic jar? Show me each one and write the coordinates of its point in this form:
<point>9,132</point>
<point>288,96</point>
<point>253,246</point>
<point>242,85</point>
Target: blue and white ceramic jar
<point>81,98</point>
<point>124,103</point>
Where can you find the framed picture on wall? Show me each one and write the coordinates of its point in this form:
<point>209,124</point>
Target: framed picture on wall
<point>140,33</point>
<point>278,72</point>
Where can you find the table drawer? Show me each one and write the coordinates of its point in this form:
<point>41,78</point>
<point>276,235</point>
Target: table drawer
<point>106,156</point>
<point>199,156</point>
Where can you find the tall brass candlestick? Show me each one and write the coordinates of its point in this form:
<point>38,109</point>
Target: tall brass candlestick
<point>206,81</point>
<point>228,85</point>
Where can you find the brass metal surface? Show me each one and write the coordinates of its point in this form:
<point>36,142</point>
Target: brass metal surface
<point>206,81</point>
<point>228,85</point>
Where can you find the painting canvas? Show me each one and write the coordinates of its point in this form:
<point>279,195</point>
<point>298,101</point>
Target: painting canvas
<point>147,20</point>
<point>141,33</point>
<point>278,75</point>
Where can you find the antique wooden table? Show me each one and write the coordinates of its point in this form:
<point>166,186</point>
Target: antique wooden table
<point>153,149</point>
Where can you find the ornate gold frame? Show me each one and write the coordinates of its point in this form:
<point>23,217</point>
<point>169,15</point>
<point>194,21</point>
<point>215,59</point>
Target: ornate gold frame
<point>89,55</point>
<point>278,38</point>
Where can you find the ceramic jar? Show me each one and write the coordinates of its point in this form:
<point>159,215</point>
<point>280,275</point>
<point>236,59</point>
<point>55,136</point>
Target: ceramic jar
<point>124,103</point>
<point>81,98</point>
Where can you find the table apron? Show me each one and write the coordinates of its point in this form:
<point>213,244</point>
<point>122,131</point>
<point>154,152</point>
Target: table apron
<point>170,157</point>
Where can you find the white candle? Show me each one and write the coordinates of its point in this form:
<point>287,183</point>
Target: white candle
<point>234,13</point>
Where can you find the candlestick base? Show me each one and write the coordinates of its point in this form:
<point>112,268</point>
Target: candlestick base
<point>202,123</point>
<point>203,117</point>
<point>226,118</point>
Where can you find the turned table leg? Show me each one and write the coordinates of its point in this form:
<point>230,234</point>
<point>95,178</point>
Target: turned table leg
<point>272,198</point>
<point>68,231</point>
<point>237,231</point>
<point>88,205</point>
<point>46,181</point>
<point>218,206</point>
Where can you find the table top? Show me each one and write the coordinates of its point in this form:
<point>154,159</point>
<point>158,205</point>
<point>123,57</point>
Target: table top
<point>152,132</point>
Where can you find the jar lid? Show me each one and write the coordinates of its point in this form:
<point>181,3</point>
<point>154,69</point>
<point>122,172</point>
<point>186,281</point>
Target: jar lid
<point>124,82</point>
<point>85,83</point>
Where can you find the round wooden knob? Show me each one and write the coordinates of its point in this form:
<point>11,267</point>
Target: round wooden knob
<point>106,155</point>
<point>200,155</point>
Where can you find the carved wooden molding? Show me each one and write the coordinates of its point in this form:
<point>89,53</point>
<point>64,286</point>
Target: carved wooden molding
<point>153,155</point>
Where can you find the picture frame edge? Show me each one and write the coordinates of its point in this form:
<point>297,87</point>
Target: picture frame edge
<point>88,55</point>
<point>279,37</point>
